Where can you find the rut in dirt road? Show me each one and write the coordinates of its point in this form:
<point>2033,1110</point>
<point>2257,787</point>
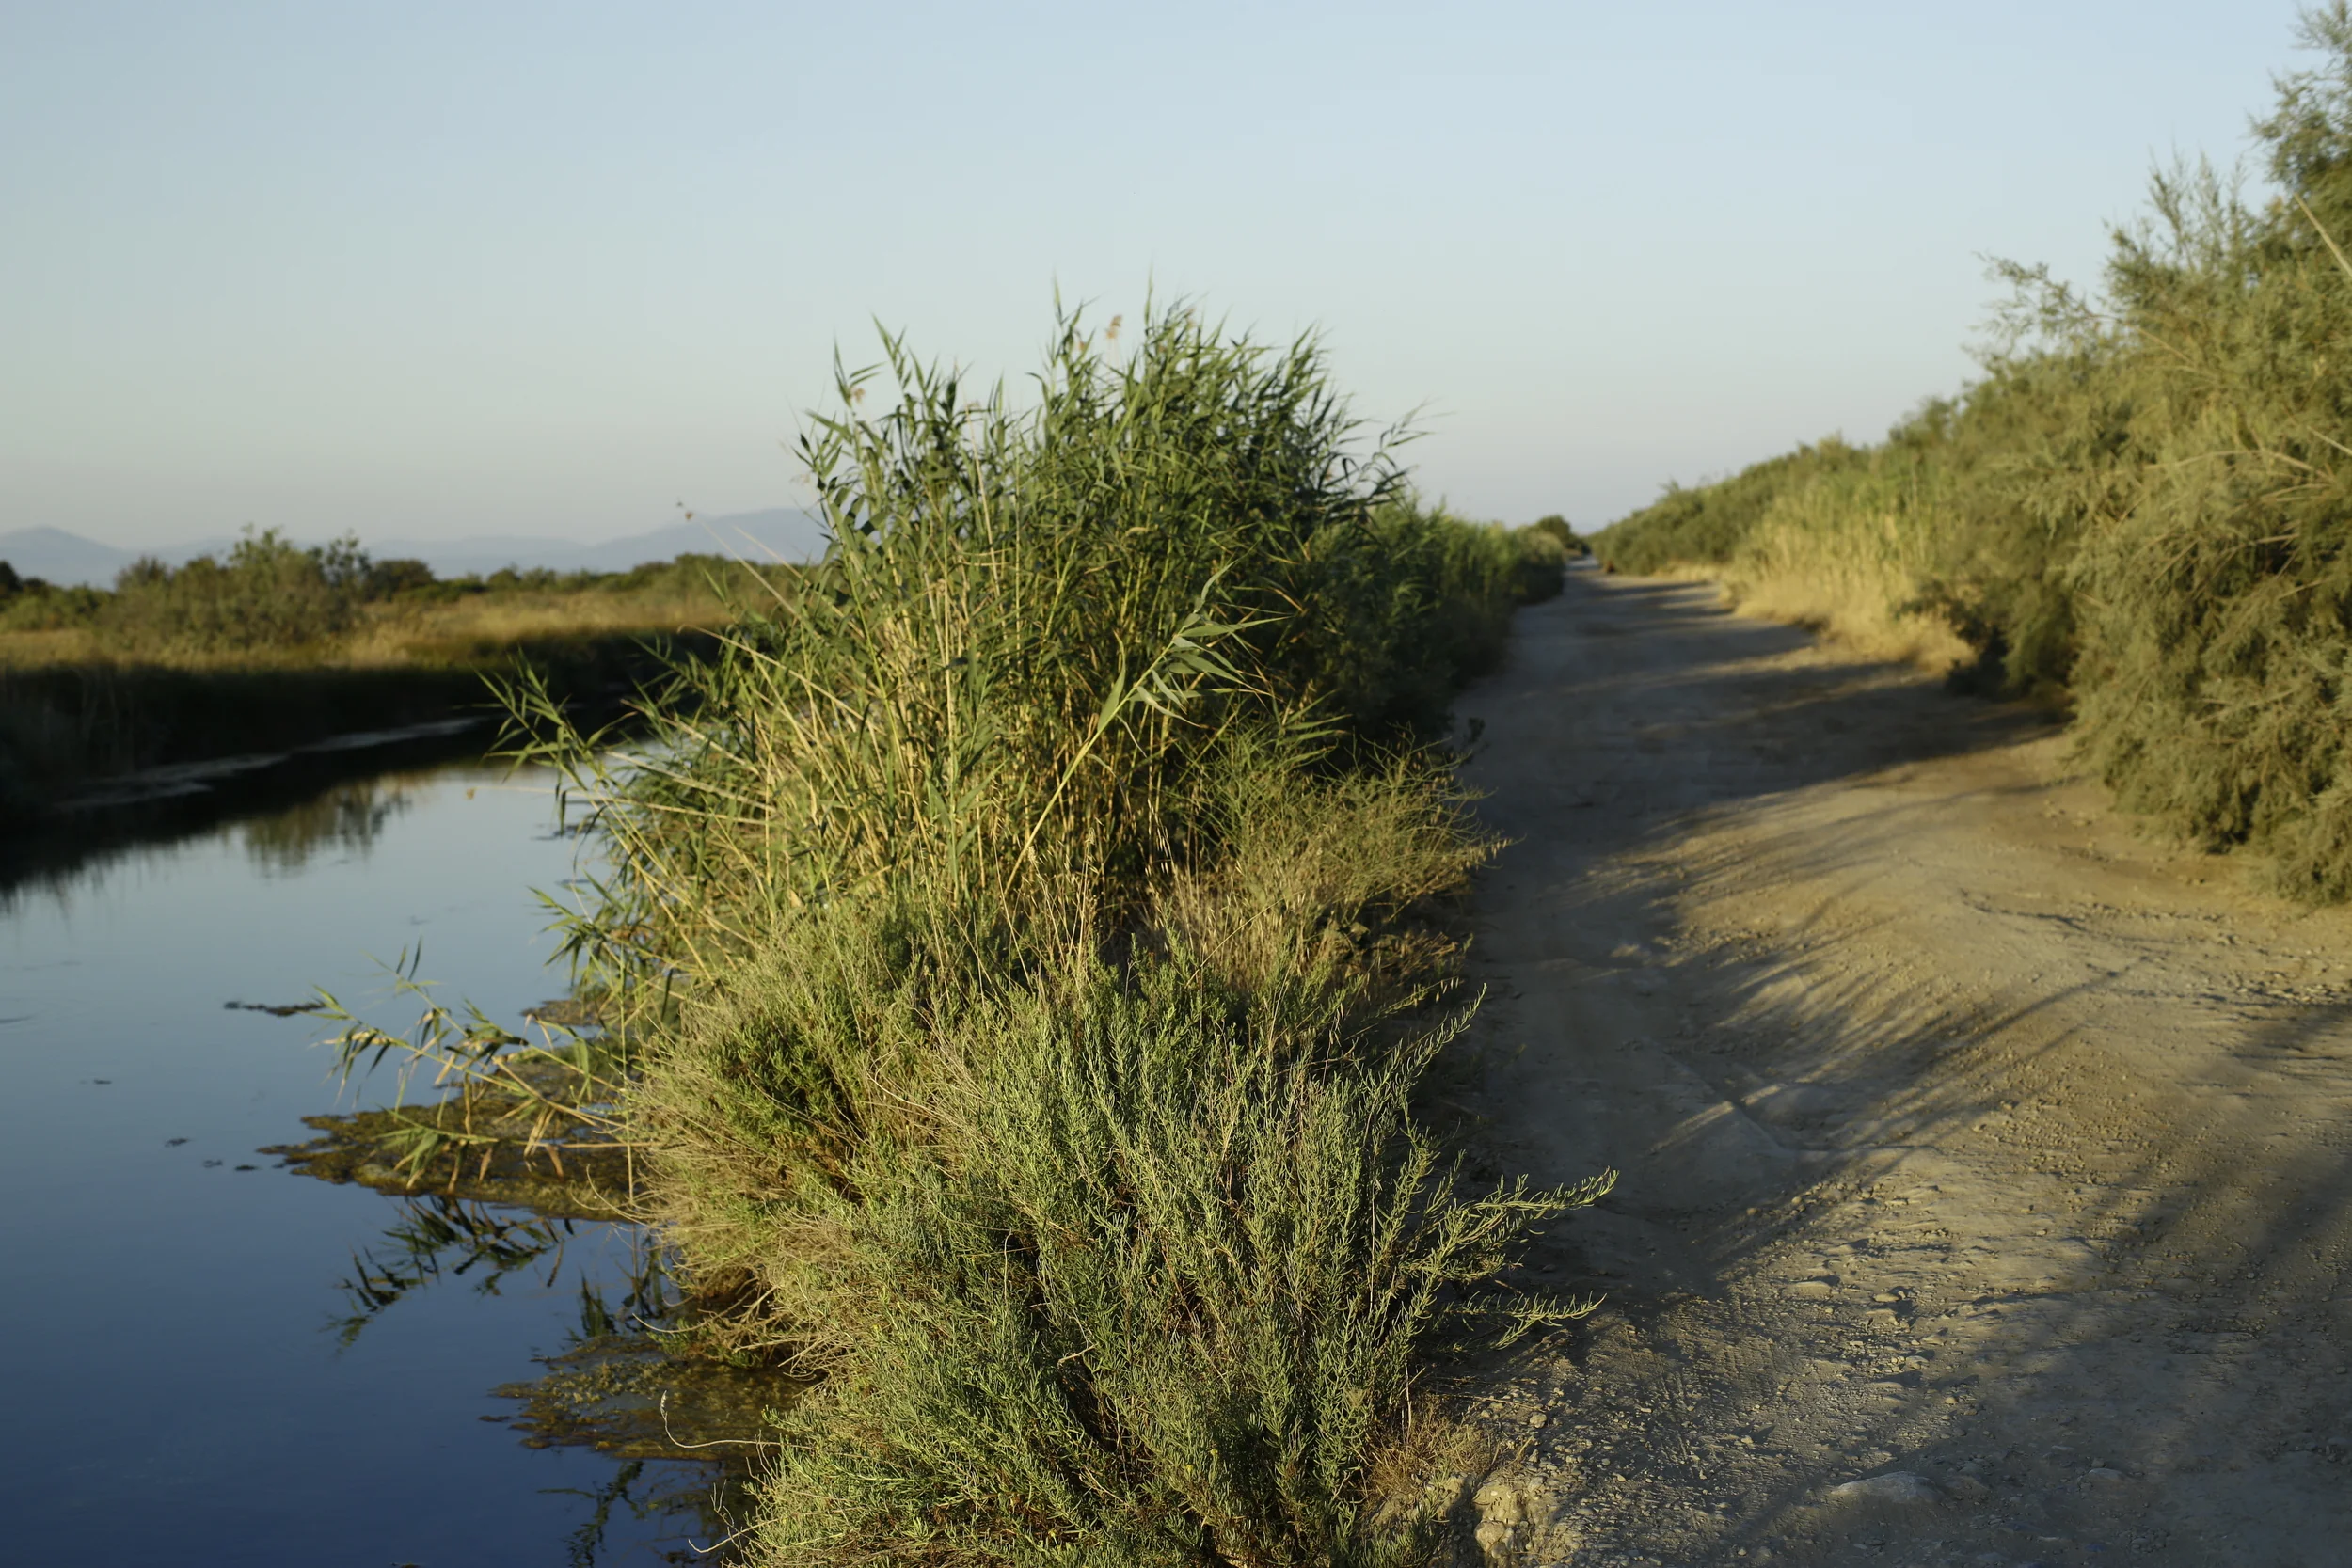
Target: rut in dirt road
<point>1969,1139</point>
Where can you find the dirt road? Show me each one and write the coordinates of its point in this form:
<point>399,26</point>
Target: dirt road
<point>1968,1135</point>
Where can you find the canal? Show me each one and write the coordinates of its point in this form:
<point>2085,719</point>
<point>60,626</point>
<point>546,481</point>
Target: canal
<point>214,1359</point>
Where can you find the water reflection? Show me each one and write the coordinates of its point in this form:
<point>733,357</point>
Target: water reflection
<point>48,849</point>
<point>650,1491</point>
<point>675,1505</point>
<point>435,1238</point>
<point>346,816</point>
<point>611,1390</point>
<point>68,853</point>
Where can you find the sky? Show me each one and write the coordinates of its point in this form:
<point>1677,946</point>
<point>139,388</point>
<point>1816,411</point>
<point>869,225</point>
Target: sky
<point>425,271</point>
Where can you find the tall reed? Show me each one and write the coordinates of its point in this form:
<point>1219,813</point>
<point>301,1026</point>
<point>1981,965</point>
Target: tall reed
<point>1019,932</point>
<point>1031,635</point>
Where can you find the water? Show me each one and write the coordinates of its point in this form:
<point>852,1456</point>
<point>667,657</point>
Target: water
<point>178,1387</point>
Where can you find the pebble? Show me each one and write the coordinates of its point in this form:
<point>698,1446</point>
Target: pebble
<point>1896,1486</point>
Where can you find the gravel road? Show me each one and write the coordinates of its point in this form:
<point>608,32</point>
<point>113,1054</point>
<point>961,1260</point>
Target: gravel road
<point>1975,1146</point>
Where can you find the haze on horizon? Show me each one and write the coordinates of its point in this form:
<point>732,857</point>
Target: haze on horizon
<point>437,270</point>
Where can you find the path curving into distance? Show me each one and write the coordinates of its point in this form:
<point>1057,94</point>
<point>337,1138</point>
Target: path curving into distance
<point>1966,1133</point>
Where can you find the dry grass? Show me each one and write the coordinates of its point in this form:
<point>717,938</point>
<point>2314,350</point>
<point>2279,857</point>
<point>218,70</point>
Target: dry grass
<point>1857,596</point>
<point>32,650</point>
<point>1850,556</point>
<point>404,632</point>
<point>408,631</point>
<point>83,701</point>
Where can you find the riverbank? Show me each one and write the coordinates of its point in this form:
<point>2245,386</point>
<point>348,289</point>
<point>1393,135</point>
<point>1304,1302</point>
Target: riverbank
<point>76,738</point>
<point>283,657</point>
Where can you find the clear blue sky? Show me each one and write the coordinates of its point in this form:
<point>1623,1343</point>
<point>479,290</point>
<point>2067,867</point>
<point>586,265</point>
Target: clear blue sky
<point>429,270</point>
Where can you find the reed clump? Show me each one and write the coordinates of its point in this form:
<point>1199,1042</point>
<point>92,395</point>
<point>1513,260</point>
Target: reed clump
<point>1022,937</point>
<point>2143,511</point>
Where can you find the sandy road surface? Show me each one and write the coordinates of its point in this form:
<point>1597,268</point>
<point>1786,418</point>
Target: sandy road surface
<point>1967,1134</point>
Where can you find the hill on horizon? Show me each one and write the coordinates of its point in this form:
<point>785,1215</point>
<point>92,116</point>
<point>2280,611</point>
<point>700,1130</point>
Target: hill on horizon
<point>783,534</point>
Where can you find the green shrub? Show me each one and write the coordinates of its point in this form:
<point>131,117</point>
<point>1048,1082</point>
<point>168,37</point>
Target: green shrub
<point>1034,631</point>
<point>1540,563</point>
<point>2146,504</point>
<point>1706,525</point>
<point>1215,1242</point>
<point>1405,605</point>
<point>2214,580</point>
<point>37,605</point>
<point>1557,526</point>
<point>1015,929</point>
<point>269,594</point>
<point>386,579</point>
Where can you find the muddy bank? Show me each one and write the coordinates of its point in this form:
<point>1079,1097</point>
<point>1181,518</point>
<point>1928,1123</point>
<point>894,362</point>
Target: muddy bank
<point>1976,1147</point>
<point>579,1180</point>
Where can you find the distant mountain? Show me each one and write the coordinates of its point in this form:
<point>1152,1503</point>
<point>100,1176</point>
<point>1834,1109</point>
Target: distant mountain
<point>778,534</point>
<point>61,556</point>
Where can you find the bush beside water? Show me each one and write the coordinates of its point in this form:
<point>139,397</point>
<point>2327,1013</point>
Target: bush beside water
<point>1021,939</point>
<point>2144,509</point>
<point>276,604</point>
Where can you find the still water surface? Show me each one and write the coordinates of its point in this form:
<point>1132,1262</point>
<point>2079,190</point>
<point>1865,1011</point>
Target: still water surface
<point>173,1314</point>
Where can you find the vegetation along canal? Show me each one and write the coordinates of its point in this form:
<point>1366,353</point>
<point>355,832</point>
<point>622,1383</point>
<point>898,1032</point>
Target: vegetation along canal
<point>215,1359</point>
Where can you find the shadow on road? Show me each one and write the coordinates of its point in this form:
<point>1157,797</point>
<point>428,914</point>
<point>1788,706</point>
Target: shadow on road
<point>1962,1131</point>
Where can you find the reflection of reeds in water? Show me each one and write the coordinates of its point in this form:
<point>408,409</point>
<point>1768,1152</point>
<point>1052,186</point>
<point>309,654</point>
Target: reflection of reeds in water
<point>691,1494</point>
<point>342,817</point>
<point>436,1239</point>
